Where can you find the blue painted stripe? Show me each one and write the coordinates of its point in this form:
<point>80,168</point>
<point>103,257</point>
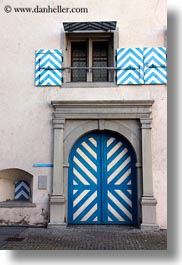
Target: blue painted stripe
<point>157,54</point>
<point>48,67</point>
<point>23,189</point>
<point>80,171</point>
<point>130,75</point>
<point>43,165</point>
<point>21,181</point>
<point>86,210</point>
<point>43,51</point>
<point>49,77</point>
<point>42,65</point>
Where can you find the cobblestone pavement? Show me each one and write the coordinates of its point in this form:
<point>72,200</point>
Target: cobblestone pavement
<point>111,237</point>
<point>7,232</point>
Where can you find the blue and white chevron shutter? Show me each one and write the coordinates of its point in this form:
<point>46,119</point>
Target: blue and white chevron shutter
<point>130,66</point>
<point>155,65</point>
<point>48,67</point>
<point>22,190</point>
<point>137,66</point>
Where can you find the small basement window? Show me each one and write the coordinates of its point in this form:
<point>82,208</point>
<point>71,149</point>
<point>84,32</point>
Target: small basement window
<point>15,188</point>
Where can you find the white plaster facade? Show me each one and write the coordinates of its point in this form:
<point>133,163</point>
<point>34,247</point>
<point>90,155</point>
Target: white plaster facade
<point>25,129</point>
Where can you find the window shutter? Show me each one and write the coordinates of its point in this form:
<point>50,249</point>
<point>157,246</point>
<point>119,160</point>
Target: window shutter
<point>48,67</point>
<point>130,66</point>
<point>155,65</point>
<point>22,190</point>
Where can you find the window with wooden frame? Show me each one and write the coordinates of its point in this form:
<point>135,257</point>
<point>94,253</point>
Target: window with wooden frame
<point>90,57</point>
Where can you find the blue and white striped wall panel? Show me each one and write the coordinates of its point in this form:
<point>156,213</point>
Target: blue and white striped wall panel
<point>48,70</point>
<point>155,65</point>
<point>130,66</point>
<point>22,190</point>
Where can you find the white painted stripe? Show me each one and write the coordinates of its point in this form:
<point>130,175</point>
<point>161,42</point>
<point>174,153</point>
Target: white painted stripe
<point>129,183</point>
<point>155,70</point>
<point>110,141</point>
<point>126,73</point>
<point>22,184</point>
<point>79,176</point>
<point>46,72</point>
<point>114,149</point>
<point>124,197</point>
<point>117,202</point>
<point>92,210</point>
<point>153,62</point>
<point>51,73</point>
<point>22,193</point>
<point>74,191</point>
<point>53,64</point>
<point>129,64</point>
<point>75,183</point>
<point>51,58</point>
<point>89,149</point>
<point>129,54</point>
<point>80,197</point>
<point>150,59</point>
<point>130,57</point>
<point>130,191</point>
<point>85,170</point>
<point>116,159</point>
<point>84,205</point>
<point>153,78</point>
<point>116,214</point>
<point>95,219</point>
<point>40,53</point>
<point>109,218</point>
<point>93,141</point>
<point>131,79</point>
<point>48,80</point>
<point>118,170</point>
<point>123,177</point>
<point>86,158</point>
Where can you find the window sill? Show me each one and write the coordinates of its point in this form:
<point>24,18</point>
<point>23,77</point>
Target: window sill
<point>88,84</point>
<point>16,204</point>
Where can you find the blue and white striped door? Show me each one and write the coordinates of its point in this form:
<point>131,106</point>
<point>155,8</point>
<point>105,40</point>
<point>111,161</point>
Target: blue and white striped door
<point>102,186</point>
<point>118,181</point>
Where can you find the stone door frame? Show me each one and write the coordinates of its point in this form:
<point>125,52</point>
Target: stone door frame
<point>132,119</point>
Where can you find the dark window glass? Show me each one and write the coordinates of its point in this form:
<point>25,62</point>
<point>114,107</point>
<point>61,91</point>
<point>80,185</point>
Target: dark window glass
<point>79,59</point>
<point>100,59</point>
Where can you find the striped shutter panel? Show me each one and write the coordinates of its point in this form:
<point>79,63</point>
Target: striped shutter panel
<point>155,65</point>
<point>22,190</point>
<point>130,66</point>
<point>48,68</point>
<point>119,180</point>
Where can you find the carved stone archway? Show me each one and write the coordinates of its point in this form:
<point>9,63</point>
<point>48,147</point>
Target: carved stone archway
<point>132,119</point>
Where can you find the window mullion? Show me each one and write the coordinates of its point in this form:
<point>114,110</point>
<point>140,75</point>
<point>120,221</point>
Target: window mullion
<point>90,59</point>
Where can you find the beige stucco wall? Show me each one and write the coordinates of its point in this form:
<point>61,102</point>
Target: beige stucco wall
<point>25,129</point>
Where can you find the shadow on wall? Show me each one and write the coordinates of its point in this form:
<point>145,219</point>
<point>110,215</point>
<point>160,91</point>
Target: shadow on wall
<point>9,178</point>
